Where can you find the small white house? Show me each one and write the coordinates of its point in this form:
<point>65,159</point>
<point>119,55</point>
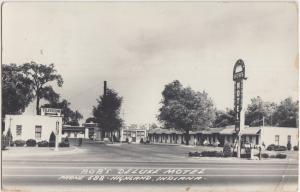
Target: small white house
<point>38,127</point>
<point>279,136</point>
<point>133,135</point>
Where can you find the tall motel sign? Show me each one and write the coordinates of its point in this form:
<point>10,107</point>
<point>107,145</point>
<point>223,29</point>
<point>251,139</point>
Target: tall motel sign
<point>238,78</point>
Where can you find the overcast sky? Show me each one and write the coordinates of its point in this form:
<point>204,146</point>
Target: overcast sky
<point>138,47</point>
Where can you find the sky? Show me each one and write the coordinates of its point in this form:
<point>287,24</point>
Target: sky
<point>139,47</point>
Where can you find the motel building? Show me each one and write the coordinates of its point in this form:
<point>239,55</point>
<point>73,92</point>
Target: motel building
<point>133,135</point>
<point>252,135</point>
<point>37,127</point>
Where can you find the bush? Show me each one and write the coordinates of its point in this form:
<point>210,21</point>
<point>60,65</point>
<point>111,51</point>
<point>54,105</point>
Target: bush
<point>12,143</point>
<point>142,140</point>
<point>195,154</point>
<point>30,143</point>
<point>246,155</point>
<point>271,147</point>
<point>52,140</point>
<point>211,154</point>
<point>289,146</point>
<point>280,148</point>
<point>281,156</point>
<point>295,148</point>
<point>264,155</point>
<point>127,140</point>
<point>43,144</point>
<point>3,142</point>
<point>64,144</point>
<point>9,137</point>
<point>227,150</point>
<point>19,143</point>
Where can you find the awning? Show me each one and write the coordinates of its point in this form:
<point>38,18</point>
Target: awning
<point>250,131</point>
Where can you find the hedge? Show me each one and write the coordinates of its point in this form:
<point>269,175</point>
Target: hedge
<point>295,148</point>
<point>19,143</point>
<point>30,143</point>
<point>43,143</point>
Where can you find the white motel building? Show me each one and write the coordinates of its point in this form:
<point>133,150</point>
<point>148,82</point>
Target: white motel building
<point>253,135</point>
<point>38,127</point>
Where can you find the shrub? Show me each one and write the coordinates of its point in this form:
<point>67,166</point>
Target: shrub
<point>127,140</point>
<point>289,146</point>
<point>9,137</point>
<point>12,143</point>
<point>281,156</point>
<point>43,143</point>
<point>195,154</point>
<point>234,154</point>
<point>211,154</point>
<point>280,148</point>
<point>272,156</point>
<point>19,143</point>
<point>227,150</point>
<point>271,147</point>
<point>246,155</point>
<point>64,144</point>
<point>30,143</point>
<point>3,142</point>
<point>142,140</point>
<point>52,140</point>
<point>295,148</point>
<point>264,155</point>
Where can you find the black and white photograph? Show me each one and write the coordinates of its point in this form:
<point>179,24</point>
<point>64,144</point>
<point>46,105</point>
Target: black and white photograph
<point>149,96</point>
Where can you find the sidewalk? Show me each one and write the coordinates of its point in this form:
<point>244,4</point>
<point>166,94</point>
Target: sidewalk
<point>39,151</point>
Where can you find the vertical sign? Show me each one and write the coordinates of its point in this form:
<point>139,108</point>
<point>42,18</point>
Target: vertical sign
<point>238,77</point>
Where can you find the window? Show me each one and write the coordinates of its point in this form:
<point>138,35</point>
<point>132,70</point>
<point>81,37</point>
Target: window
<point>38,131</point>
<point>19,130</point>
<point>289,138</point>
<point>277,139</point>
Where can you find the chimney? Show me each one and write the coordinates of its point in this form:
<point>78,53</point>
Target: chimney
<point>104,92</point>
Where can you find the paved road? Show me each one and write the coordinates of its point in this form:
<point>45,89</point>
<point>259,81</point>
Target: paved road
<point>100,166</point>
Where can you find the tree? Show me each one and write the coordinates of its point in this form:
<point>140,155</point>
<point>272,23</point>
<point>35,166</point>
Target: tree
<point>286,113</point>
<point>224,118</point>
<point>70,117</point>
<point>184,109</point>
<point>40,76</point>
<point>153,126</point>
<point>16,92</point>
<point>90,120</point>
<point>258,110</point>
<point>107,112</point>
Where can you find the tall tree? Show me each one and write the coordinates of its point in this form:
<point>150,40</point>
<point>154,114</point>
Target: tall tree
<point>107,112</point>
<point>184,109</point>
<point>70,117</point>
<point>224,118</point>
<point>40,77</point>
<point>259,112</point>
<point>16,92</point>
<point>286,114</point>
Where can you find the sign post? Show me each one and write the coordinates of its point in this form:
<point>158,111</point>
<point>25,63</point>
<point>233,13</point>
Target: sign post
<point>56,136</point>
<point>238,77</point>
